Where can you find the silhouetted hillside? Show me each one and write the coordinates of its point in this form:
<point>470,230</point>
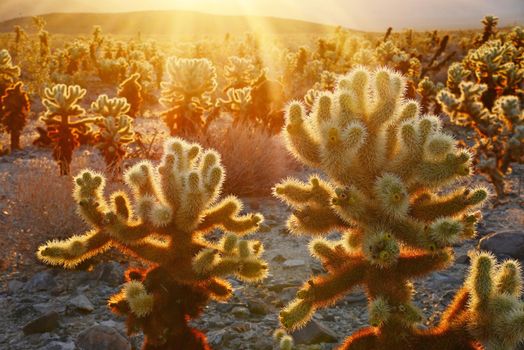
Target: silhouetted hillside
<point>165,23</point>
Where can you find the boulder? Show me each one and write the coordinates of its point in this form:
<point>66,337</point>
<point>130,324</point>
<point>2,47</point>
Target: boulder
<point>506,244</point>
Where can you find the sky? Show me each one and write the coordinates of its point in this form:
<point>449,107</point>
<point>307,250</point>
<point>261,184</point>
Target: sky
<point>356,14</point>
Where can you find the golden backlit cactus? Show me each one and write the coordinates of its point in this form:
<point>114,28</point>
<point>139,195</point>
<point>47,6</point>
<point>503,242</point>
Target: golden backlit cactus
<point>239,73</point>
<point>9,73</point>
<point>483,94</point>
<point>65,121</point>
<point>176,203</point>
<point>187,93</point>
<point>495,312</point>
<point>385,167</point>
<point>115,129</point>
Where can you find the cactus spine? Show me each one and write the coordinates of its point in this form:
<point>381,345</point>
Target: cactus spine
<point>385,166</point>
<point>176,205</point>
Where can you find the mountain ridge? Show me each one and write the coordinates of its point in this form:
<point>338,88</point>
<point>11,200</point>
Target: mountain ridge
<point>165,22</point>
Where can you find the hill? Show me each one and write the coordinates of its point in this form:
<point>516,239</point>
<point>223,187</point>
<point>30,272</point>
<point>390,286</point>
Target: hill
<point>166,23</point>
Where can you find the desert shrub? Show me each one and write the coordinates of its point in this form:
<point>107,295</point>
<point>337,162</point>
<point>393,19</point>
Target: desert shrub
<point>38,205</point>
<point>253,158</point>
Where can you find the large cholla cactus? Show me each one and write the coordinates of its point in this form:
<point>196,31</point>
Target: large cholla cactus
<point>115,129</point>
<point>176,205</point>
<point>8,72</point>
<point>187,94</point>
<point>65,122</point>
<point>489,104</point>
<point>386,169</point>
<point>14,109</point>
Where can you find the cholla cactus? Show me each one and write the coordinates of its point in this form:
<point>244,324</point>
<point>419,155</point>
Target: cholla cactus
<point>187,94</point>
<point>9,73</point>
<point>427,90</point>
<point>176,205</point>
<point>112,70</point>
<point>238,103</point>
<point>490,23</point>
<point>284,340</point>
<point>115,129</point>
<point>267,103</point>
<point>489,105</point>
<point>14,109</point>
<point>65,121</point>
<point>386,167</point>
<point>131,90</point>
<point>239,73</point>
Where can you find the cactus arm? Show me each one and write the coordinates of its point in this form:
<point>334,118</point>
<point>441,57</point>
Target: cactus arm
<point>225,215</point>
<point>325,290</point>
<point>72,251</point>
<point>454,204</point>
<point>300,138</point>
<point>151,250</point>
<point>415,264</point>
<point>409,231</point>
<point>296,193</point>
<point>455,311</point>
<point>315,220</point>
<point>363,339</point>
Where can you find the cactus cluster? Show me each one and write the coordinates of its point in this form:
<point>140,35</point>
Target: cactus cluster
<point>176,204</point>
<point>484,94</point>
<point>385,168</point>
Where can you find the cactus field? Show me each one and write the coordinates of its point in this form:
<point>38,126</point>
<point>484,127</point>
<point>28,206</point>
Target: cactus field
<point>174,180</point>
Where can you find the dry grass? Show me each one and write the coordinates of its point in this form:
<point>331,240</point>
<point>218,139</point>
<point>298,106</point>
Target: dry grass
<point>38,205</point>
<point>254,160</point>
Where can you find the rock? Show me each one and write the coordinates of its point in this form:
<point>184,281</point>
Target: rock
<point>265,343</point>
<point>357,296</point>
<point>314,333</point>
<point>110,272</point>
<point>279,258</point>
<point>42,324</point>
<point>81,303</point>
<point>507,244</point>
<point>278,287</point>
<point>462,259</point>
<point>102,338</point>
<point>240,312</point>
<point>14,286</point>
<point>214,338</point>
<point>224,307</point>
<point>58,345</point>
<point>41,281</point>
<point>257,307</point>
<point>44,308</point>
<point>288,264</point>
